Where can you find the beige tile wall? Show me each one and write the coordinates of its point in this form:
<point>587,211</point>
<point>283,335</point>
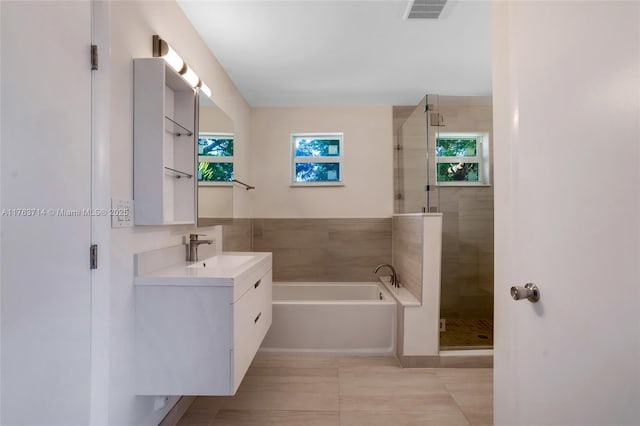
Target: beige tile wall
<point>324,249</point>
<point>411,172</point>
<point>400,115</point>
<point>467,253</point>
<point>467,240</point>
<point>237,236</point>
<point>408,252</point>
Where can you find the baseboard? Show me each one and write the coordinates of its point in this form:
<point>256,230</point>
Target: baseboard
<point>177,411</point>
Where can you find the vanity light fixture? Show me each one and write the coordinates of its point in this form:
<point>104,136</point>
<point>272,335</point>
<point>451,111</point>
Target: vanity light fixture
<point>161,49</point>
<point>190,76</point>
<point>205,89</point>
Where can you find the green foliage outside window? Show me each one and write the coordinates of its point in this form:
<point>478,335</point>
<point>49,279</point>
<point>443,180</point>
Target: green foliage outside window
<point>317,172</point>
<point>457,159</point>
<point>215,172</point>
<point>456,147</point>
<point>317,147</point>
<point>451,172</point>
<point>219,146</point>
<point>317,158</point>
<point>215,146</point>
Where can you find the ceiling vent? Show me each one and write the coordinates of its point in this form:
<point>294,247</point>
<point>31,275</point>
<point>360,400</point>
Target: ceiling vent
<point>425,9</point>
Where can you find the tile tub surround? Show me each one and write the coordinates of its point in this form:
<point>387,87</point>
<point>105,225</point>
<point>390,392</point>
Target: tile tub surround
<point>310,390</point>
<point>237,235</point>
<point>408,252</point>
<point>324,249</point>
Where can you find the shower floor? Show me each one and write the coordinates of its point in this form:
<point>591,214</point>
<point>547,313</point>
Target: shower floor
<point>467,334</point>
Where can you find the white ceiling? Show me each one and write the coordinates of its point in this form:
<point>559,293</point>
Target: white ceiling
<point>319,52</point>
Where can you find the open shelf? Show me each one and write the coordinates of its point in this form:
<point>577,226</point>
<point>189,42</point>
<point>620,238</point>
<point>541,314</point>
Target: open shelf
<point>164,145</point>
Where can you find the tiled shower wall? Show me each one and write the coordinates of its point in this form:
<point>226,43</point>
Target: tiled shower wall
<point>467,239</point>
<point>467,253</point>
<point>410,169</point>
<point>315,249</point>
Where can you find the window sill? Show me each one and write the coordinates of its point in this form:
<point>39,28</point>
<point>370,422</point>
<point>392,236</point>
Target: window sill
<point>468,185</point>
<point>316,184</point>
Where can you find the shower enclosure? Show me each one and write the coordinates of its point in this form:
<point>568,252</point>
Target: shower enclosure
<point>443,163</point>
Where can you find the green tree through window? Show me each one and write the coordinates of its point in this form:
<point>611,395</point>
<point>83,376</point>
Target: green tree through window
<point>317,158</point>
<point>215,157</point>
<point>458,158</point>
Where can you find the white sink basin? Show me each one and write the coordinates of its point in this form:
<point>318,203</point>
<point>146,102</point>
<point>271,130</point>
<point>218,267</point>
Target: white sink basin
<point>224,261</point>
<point>221,270</point>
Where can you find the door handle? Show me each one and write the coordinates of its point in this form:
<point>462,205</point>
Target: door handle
<point>530,291</point>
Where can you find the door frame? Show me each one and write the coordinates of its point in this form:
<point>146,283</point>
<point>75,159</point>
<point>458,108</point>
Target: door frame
<point>101,224</point>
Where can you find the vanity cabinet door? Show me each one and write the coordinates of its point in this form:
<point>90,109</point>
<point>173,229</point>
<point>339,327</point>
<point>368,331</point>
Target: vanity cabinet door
<point>251,321</point>
<point>164,145</point>
<point>183,340</point>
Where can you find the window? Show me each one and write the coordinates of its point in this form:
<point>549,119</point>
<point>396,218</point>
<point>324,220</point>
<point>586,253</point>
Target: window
<point>215,157</point>
<point>316,159</point>
<point>462,159</point>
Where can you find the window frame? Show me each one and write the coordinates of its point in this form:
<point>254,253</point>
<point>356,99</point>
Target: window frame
<point>321,159</point>
<point>481,158</point>
<point>217,159</point>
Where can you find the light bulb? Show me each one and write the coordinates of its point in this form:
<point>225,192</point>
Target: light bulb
<point>205,89</point>
<point>190,76</point>
<point>173,59</point>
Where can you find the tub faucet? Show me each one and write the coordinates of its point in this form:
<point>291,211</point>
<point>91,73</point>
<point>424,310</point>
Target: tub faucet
<point>194,242</point>
<point>394,277</point>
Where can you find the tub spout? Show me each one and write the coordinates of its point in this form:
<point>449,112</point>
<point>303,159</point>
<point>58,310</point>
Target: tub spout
<point>394,276</point>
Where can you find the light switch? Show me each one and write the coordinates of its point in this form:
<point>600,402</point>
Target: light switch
<point>121,213</point>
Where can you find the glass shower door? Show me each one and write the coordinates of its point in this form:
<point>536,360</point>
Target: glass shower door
<point>459,132</point>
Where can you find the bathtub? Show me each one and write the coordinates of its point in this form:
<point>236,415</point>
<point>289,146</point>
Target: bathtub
<point>350,318</point>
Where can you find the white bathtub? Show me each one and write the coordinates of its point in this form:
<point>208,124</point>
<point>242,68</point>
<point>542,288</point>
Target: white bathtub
<point>354,318</point>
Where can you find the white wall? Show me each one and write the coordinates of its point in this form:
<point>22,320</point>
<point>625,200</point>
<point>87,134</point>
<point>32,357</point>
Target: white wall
<point>214,119</point>
<point>367,164</point>
<point>132,25</point>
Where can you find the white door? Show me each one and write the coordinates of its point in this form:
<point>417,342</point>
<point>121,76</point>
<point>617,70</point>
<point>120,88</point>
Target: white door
<point>45,166</point>
<point>567,189</point>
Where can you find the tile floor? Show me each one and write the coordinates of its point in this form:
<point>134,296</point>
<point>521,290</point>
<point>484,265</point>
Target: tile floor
<point>349,391</point>
<point>462,333</point>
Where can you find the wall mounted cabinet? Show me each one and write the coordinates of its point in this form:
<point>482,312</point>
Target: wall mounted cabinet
<point>197,335</point>
<point>165,118</point>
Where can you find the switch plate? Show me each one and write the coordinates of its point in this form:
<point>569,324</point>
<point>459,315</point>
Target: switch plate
<point>121,213</point>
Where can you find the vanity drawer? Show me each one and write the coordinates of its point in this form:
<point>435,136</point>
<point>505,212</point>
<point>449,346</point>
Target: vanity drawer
<point>246,281</point>
<point>251,321</point>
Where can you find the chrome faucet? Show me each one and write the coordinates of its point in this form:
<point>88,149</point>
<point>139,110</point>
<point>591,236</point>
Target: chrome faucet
<point>395,282</point>
<point>194,242</point>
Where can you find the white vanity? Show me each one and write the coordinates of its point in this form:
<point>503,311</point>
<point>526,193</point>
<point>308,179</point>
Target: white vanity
<point>199,325</point>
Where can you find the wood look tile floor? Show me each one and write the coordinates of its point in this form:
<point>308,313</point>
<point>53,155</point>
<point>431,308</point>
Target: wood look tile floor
<point>298,390</point>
